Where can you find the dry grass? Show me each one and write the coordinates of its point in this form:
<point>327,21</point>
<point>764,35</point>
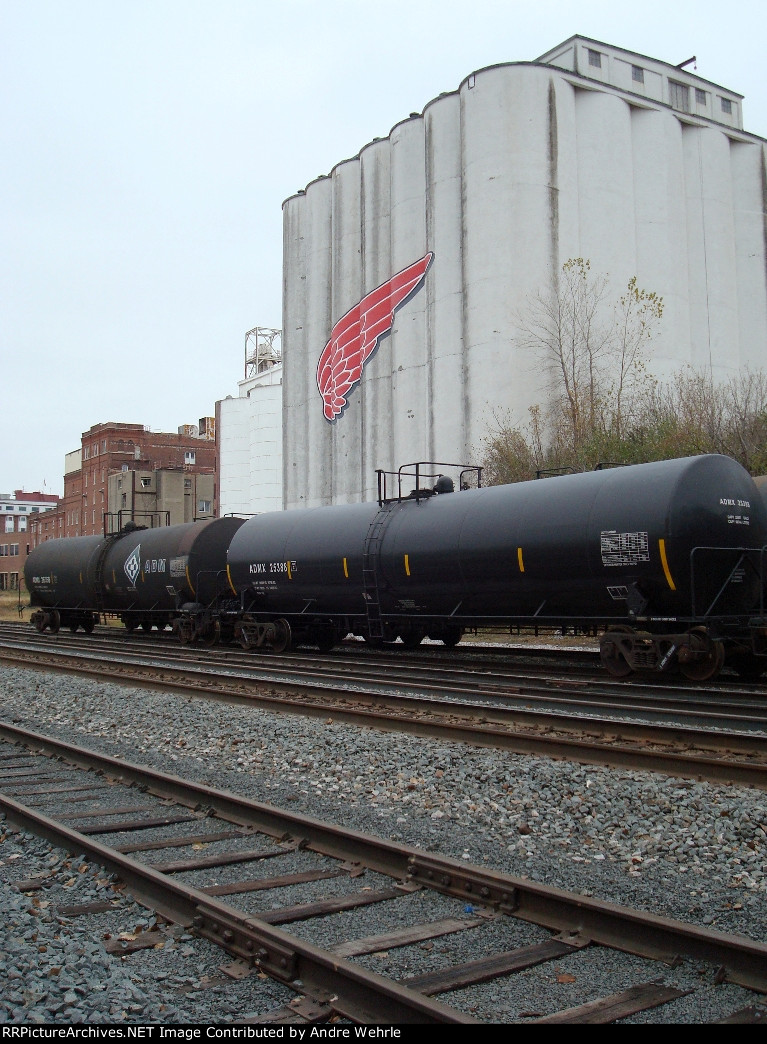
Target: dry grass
<point>9,605</point>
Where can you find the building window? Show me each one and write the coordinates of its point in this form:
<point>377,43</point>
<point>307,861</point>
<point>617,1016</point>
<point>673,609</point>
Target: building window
<point>189,457</point>
<point>124,500</point>
<point>637,74</point>
<point>14,581</point>
<point>595,59</point>
<point>145,482</point>
<point>727,106</point>
<point>700,97</point>
<point>187,483</point>
<point>679,95</point>
<point>14,549</point>
<point>203,507</point>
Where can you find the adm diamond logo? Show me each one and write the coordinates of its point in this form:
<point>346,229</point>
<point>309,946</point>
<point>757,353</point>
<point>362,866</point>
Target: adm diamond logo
<point>132,565</point>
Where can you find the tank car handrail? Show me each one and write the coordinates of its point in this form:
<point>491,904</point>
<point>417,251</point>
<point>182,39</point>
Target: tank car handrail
<point>419,492</point>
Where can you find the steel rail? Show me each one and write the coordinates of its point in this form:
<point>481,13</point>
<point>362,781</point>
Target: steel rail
<point>583,919</point>
<point>417,676</point>
<point>496,727</point>
<point>347,989</point>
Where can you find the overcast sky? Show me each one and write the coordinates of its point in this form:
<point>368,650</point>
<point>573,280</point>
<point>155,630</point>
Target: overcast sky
<point>146,148</point>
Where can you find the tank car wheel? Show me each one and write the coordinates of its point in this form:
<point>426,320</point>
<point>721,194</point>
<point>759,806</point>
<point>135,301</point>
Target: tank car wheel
<point>88,625</point>
<point>451,636</point>
<point>283,637</point>
<point>612,659</point>
<point>705,666</point>
<point>54,621</point>
<point>129,625</point>
<point>186,631</point>
<point>211,635</point>
<point>146,627</point>
<point>326,638</point>
<point>39,621</point>
<point>412,639</point>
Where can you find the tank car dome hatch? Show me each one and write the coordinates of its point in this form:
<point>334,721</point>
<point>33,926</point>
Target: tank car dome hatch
<point>444,484</point>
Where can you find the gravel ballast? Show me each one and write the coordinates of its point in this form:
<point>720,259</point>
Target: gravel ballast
<point>688,850</point>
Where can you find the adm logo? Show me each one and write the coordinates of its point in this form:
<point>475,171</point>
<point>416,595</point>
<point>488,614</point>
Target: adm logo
<point>355,336</point>
<point>132,565</point>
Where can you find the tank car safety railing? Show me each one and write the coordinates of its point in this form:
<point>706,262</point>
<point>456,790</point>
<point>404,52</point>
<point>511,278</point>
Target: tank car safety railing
<point>116,521</point>
<point>750,562</point>
<point>603,465</point>
<point>426,482</point>
<point>554,472</point>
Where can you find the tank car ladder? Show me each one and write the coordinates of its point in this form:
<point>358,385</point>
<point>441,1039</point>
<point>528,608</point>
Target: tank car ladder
<point>370,572</point>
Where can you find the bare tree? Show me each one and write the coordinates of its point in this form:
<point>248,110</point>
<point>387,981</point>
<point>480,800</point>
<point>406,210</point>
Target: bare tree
<point>593,353</point>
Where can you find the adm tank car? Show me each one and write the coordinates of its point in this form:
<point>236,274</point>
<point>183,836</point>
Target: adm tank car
<point>141,575</point>
<point>666,556</point>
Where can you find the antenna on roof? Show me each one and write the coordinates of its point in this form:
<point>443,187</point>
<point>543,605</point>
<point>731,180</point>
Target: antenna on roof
<point>688,62</point>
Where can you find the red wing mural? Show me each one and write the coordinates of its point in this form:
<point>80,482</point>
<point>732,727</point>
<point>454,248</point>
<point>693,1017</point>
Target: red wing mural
<point>355,336</point>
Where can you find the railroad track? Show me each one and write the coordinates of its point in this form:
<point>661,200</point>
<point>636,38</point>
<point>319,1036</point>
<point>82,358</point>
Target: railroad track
<point>290,897</point>
<point>544,717</point>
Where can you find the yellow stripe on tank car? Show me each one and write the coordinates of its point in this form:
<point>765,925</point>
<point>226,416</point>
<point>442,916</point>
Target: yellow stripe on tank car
<point>664,563</point>
<point>407,565</point>
<point>229,578</point>
<point>290,576</point>
<point>521,560</point>
<point>346,570</point>
<point>189,580</point>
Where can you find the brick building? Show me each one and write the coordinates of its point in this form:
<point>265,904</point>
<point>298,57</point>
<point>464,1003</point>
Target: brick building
<point>19,514</point>
<point>133,451</point>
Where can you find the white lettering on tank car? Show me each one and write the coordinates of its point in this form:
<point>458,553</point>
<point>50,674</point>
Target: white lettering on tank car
<point>154,565</point>
<point>621,549</point>
<point>272,567</point>
<point>178,566</point>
